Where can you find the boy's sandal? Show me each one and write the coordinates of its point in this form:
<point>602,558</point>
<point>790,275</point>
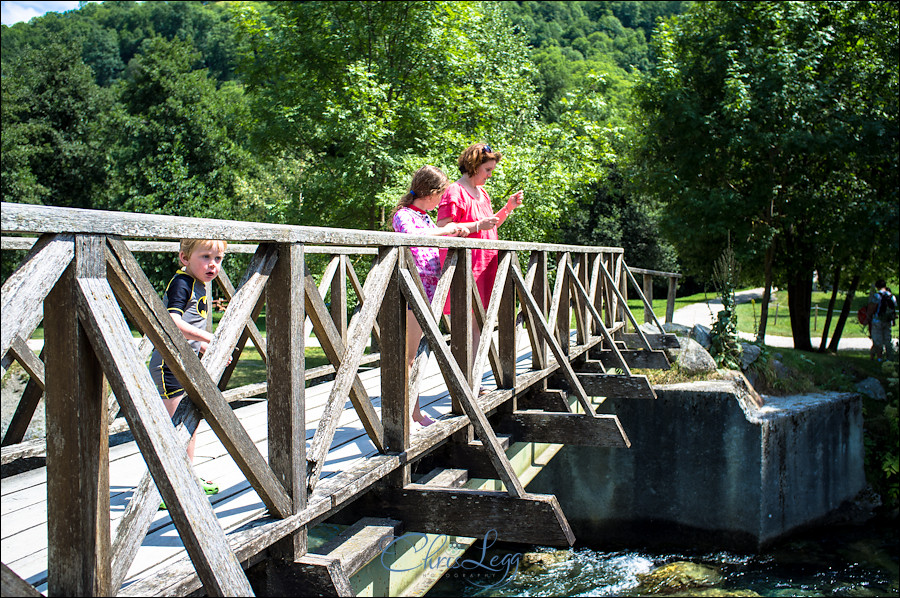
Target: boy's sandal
<point>209,487</point>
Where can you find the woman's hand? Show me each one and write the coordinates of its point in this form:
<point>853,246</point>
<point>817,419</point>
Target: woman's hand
<point>486,223</point>
<point>515,200</point>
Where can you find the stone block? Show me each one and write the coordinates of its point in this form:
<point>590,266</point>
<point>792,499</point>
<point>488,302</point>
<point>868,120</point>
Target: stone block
<point>708,469</point>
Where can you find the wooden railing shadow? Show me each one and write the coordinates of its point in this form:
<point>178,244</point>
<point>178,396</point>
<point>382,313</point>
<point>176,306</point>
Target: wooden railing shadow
<point>82,280</point>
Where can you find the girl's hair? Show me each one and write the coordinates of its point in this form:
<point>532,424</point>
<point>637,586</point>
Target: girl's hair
<point>426,181</point>
<point>474,156</point>
<point>189,245</point>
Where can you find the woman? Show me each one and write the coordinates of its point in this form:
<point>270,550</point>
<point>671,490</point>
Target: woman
<point>465,202</point>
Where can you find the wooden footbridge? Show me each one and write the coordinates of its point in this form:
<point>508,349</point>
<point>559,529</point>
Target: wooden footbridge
<point>288,456</point>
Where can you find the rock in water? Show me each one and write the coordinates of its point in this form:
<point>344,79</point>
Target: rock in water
<point>538,562</point>
<point>678,576</point>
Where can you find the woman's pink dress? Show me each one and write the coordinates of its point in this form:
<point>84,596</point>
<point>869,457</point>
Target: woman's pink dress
<point>459,205</point>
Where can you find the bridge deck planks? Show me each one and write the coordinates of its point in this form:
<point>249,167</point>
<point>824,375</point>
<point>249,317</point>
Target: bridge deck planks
<point>24,506</point>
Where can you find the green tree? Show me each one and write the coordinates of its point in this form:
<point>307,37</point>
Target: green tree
<point>363,93</point>
<point>182,153</point>
<point>54,136</point>
<point>755,118</point>
<point>607,214</point>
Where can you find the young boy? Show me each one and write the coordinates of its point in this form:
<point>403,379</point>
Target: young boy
<point>187,303</point>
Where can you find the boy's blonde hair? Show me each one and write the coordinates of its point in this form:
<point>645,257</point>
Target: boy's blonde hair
<point>189,245</point>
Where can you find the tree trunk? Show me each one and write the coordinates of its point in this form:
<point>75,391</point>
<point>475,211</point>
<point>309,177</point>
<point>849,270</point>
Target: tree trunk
<point>767,295</point>
<point>834,292</point>
<point>799,303</point>
<point>845,311</point>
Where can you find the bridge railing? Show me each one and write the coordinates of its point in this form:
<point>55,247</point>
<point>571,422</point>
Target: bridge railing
<point>647,275</point>
<point>82,280</point>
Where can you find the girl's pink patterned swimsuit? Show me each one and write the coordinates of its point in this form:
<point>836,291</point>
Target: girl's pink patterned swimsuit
<point>428,261</point>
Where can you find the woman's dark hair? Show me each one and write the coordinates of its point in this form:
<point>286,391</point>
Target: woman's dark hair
<point>474,156</point>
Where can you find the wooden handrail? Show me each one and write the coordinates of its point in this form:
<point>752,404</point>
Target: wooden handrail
<point>648,275</point>
<point>31,219</point>
<point>654,272</point>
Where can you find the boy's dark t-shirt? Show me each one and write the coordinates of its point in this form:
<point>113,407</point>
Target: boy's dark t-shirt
<point>186,296</point>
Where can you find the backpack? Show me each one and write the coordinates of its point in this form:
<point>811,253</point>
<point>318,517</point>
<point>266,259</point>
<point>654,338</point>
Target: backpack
<point>887,308</point>
<point>863,316</point>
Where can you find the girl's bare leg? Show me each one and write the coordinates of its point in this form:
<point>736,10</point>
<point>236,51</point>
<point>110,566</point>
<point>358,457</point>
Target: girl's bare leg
<point>413,336</point>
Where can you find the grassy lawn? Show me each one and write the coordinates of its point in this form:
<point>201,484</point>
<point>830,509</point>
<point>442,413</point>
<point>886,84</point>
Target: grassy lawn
<point>251,369</point>
<point>779,320</point>
<point>810,372</point>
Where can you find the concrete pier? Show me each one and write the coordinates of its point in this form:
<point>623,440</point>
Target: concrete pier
<point>708,469</point>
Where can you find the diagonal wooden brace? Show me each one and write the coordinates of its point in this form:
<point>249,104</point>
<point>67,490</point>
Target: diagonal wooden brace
<point>603,330</point>
<point>360,326</point>
<point>203,537</point>
<point>456,383</point>
<point>333,346</point>
<point>561,358</point>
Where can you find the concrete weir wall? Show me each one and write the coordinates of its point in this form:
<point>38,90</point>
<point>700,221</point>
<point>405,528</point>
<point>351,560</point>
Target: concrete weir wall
<point>709,469</point>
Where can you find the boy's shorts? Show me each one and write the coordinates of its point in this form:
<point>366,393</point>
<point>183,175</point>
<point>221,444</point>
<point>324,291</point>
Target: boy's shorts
<point>166,383</point>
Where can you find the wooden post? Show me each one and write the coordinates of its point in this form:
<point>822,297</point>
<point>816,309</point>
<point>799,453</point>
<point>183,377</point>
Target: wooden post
<point>564,314</point>
<point>611,299</point>
<point>622,279</point>
<point>209,306</point>
<point>461,319</point>
<point>395,400</point>
<point>541,296</point>
<point>670,300</point>
<point>596,289</point>
<point>648,295</point>
<point>285,374</point>
<point>338,307</point>
<point>506,327</point>
<point>583,332</point>
<point>78,528</point>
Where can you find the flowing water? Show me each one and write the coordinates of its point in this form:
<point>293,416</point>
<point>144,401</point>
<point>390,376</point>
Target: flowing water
<point>848,560</point>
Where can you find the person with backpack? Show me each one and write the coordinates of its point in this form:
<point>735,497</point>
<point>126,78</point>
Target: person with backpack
<point>882,312</point>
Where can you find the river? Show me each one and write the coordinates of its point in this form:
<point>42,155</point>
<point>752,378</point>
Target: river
<point>845,560</point>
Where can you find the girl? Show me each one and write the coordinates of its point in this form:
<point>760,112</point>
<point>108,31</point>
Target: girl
<point>411,216</point>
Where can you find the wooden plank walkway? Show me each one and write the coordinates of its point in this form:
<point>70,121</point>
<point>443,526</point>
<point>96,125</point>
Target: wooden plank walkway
<point>24,498</point>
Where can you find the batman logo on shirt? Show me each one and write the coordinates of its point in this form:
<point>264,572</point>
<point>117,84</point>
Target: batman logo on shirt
<point>202,306</point>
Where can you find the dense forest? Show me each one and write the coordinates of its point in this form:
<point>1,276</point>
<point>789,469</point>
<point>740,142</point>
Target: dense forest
<point>672,129</point>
